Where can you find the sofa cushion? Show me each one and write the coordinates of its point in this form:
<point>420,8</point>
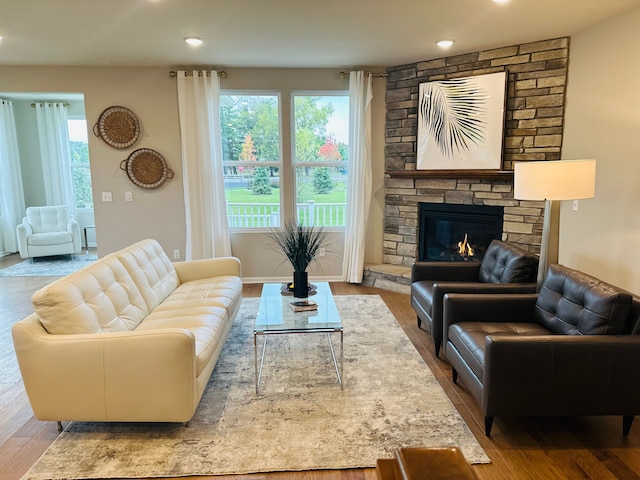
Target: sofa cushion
<point>151,271</point>
<point>202,307</point>
<point>574,303</point>
<point>506,263</point>
<point>469,338</point>
<point>101,297</point>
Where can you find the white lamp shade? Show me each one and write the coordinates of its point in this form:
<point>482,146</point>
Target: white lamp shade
<point>554,180</point>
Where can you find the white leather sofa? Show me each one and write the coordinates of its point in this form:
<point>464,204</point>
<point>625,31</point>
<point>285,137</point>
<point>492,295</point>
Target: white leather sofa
<point>132,337</point>
<point>48,231</point>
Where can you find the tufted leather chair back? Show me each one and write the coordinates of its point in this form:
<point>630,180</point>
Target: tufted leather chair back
<point>574,303</point>
<point>506,263</point>
<point>48,219</point>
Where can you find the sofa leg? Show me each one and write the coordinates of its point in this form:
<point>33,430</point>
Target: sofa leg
<point>488,423</point>
<point>419,321</point>
<point>438,345</point>
<point>59,426</point>
<point>627,420</point>
<point>454,375</point>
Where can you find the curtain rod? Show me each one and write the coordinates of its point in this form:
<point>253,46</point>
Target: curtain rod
<point>173,73</point>
<point>50,103</point>
<point>223,74</point>
<point>373,74</point>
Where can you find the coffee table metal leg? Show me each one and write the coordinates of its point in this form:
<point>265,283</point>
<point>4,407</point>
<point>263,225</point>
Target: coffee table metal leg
<point>342,356</point>
<point>258,372</point>
<point>333,356</point>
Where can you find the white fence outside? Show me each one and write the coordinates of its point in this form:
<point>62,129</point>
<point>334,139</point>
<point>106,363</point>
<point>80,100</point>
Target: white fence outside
<point>267,215</point>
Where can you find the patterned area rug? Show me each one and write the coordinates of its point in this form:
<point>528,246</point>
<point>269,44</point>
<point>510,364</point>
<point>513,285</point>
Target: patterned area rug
<point>301,420</point>
<point>53,266</point>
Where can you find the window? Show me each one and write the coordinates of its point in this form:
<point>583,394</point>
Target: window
<point>80,168</point>
<point>250,125</point>
<point>253,160</point>
<point>321,136</point>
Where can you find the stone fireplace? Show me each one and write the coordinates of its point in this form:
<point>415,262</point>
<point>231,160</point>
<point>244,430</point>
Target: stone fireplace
<point>534,118</point>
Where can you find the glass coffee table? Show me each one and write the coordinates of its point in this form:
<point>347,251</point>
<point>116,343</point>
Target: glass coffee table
<point>275,317</point>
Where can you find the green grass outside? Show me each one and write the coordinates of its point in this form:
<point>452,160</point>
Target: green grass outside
<point>245,196</point>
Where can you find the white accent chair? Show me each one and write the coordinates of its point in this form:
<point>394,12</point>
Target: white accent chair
<point>48,231</point>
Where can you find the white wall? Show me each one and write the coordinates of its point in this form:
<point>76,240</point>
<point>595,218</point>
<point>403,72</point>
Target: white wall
<point>603,122</point>
<point>151,93</point>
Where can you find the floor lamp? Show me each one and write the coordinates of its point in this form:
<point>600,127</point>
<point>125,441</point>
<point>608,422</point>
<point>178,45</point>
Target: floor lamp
<point>553,181</point>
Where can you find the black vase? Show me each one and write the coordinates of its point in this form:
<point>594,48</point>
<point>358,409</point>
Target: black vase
<point>300,284</point>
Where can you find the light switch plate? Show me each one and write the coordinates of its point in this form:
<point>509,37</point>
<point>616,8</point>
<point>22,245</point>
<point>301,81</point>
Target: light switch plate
<point>128,196</point>
<point>107,197</point>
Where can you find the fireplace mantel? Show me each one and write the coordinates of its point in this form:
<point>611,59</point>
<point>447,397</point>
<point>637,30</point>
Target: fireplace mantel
<point>483,174</point>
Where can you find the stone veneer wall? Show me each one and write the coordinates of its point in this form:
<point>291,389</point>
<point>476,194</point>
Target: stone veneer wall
<point>537,76</point>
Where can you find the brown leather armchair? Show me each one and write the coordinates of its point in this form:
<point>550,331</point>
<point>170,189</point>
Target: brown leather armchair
<point>573,349</point>
<point>505,268</point>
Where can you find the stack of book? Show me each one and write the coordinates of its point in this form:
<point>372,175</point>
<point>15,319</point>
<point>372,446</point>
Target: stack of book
<point>303,305</point>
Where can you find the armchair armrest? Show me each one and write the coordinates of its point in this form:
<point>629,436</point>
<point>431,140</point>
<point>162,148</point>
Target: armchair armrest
<point>440,289</point>
<point>207,268</point>
<point>561,375</point>
<point>73,227</point>
<point>445,271</point>
<point>23,231</point>
<point>494,307</point>
<point>118,376</point>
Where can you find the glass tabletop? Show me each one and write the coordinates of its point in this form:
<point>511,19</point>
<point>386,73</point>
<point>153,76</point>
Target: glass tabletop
<point>275,315</point>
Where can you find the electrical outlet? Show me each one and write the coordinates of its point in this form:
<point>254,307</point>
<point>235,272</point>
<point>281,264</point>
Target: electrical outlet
<point>106,197</point>
<point>176,254</point>
<point>128,196</point>
<point>321,252</point>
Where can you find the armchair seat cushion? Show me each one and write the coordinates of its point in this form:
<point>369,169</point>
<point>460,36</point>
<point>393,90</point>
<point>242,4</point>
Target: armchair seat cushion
<point>49,238</point>
<point>469,338</point>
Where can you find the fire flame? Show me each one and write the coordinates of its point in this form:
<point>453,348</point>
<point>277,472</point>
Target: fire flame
<point>464,248</point>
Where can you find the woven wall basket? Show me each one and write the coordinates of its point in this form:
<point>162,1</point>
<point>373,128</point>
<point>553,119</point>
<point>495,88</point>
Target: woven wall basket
<point>146,168</point>
<point>118,127</point>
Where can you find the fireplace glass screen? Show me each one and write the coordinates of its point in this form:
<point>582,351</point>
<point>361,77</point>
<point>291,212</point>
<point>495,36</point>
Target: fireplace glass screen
<point>459,233</point>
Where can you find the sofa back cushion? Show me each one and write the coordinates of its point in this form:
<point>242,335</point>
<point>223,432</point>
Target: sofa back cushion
<point>151,271</point>
<point>101,297</point>
<point>574,303</point>
<point>505,263</point>
<point>48,219</point>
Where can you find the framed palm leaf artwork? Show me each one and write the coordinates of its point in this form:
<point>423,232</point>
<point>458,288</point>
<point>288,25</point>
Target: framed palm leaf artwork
<point>461,123</point>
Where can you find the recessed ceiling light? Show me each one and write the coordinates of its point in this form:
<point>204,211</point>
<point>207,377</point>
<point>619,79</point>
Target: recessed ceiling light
<point>444,43</point>
<point>501,1</point>
<point>194,41</point>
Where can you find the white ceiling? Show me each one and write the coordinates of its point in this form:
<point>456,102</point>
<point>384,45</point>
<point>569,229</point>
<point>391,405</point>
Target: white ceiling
<point>279,33</point>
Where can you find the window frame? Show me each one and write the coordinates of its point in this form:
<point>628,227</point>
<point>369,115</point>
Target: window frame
<point>294,162</point>
<point>71,164</point>
<point>279,164</point>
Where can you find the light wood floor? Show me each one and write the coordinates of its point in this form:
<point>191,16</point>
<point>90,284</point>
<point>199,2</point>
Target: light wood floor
<point>519,448</point>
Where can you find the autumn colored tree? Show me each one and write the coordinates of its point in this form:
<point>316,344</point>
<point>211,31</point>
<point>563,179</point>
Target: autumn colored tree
<point>248,153</point>
<point>330,151</point>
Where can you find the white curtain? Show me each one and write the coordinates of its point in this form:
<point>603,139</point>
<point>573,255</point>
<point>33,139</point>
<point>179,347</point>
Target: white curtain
<point>12,206</point>
<point>53,136</point>
<point>202,172</point>
<point>359,183</point>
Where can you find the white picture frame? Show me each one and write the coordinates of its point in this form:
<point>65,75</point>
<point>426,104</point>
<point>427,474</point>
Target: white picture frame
<point>461,123</point>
